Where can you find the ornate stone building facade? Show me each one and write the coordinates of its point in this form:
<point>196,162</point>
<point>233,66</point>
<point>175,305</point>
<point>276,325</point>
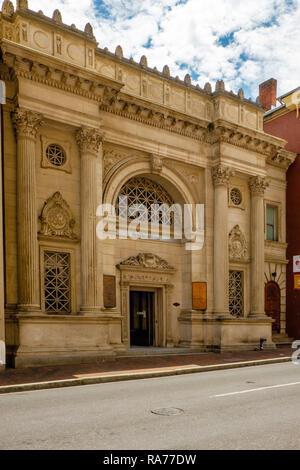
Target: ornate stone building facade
<point>83,125</point>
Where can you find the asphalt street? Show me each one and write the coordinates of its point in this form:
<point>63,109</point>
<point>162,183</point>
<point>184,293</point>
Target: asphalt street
<point>251,408</point>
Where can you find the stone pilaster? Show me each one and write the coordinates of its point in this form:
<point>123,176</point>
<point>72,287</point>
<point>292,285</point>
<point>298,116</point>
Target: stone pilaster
<point>90,144</point>
<point>257,187</point>
<point>221,175</point>
<point>125,310</point>
<point>2,294</point>
<point>26,124</point>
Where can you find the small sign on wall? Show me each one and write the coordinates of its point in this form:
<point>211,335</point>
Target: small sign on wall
<point>199,295</point>
<point>297,281</point>
<point>296,264</point>
<point>109,291</point>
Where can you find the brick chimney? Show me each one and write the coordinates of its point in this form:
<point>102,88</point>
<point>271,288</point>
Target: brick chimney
<point>268,93</point>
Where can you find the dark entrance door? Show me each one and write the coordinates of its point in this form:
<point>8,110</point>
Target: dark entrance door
<point>141,318</point>
<point>272,304</point>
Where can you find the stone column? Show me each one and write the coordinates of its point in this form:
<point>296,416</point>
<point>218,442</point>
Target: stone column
<point>2,294</point>
<point>90,144</point>
<point>221,174</point>
<point>257,186</point>
<point>27,124</point>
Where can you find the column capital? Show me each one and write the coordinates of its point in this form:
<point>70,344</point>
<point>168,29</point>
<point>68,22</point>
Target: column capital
<point>89,139</point>
<point>221,175</point>
<point>26,123</point>
<point>258,185</point>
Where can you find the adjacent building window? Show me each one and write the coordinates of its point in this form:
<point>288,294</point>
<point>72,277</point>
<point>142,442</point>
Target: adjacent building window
<point>272,221</point>
<point>57,282</point>
<point>236,293</point>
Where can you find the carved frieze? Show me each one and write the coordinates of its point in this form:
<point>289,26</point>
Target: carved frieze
<point>238,249</point>
<point>57,219</point>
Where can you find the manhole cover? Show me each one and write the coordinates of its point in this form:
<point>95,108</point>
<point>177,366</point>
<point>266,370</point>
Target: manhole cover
<point>168,411</point>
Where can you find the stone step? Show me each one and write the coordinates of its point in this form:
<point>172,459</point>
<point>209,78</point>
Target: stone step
<point>149,351</point>
<point>282,340</point>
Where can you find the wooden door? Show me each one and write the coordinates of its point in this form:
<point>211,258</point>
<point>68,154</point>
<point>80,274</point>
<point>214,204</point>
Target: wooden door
<point>272,304</point>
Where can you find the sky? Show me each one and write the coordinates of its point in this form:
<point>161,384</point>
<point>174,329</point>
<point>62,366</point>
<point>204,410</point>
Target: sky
<point>243,42</point>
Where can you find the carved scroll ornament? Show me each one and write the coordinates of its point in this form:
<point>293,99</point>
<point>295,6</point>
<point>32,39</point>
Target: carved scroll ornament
<point>147,260</point>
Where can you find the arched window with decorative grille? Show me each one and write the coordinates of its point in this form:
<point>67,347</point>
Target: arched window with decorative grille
<point>145,193</point>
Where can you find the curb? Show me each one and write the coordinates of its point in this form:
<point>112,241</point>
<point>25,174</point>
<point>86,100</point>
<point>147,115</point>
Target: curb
<point>134,376</point>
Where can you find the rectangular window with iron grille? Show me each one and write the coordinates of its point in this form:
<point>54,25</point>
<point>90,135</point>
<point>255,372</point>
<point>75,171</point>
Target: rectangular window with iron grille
<point>57,282</point>
<point>236,293</point>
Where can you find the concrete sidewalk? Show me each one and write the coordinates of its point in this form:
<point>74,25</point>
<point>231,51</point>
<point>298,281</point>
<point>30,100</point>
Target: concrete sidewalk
<point>133,368</point>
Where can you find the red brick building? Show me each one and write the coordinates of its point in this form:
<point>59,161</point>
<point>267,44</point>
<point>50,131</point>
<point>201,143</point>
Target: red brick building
<point>284,121</point>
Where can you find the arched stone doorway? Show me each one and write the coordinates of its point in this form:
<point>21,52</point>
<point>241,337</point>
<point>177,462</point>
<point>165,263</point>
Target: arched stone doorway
<point>272,304</point>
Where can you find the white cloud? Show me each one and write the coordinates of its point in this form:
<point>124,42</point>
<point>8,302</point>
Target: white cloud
<point>241,42</point>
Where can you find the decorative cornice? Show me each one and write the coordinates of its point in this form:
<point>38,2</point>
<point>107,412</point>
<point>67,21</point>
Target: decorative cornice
<point>158,116</point>
<point>239,137</point>
<point>107,92</point>
<point>89,140</point>
<point>283,159</point>
<point>26,123</point>
<point>47,71</point>
<point>258,185</point>
<point>202,130</point>
<point>221,175</point>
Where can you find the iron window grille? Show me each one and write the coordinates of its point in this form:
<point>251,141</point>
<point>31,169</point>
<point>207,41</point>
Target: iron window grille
<point>57,282</point>
<point>236,293</point>
<point>145,193</point>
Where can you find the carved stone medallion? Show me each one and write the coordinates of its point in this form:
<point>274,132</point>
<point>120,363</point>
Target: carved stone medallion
<point>237,244</point>
<point>56,218</point>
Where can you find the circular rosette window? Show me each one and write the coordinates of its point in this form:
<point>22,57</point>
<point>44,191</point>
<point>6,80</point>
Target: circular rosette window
<point>236,197</point>
<point>56,155</point>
